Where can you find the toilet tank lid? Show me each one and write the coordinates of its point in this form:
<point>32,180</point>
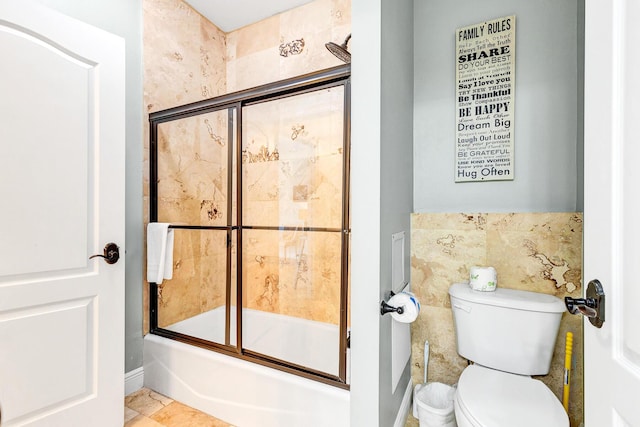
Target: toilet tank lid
<point>510,298</point>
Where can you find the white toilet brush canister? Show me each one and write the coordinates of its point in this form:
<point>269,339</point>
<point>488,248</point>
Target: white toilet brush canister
<point>433,402</point>
<point>424,381</point>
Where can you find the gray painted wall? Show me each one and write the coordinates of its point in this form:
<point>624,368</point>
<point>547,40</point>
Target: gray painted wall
<point>547,120</point>
<point>124,18</point>
<point>580,106</point>
<point>396,175</point>
<point>381,194</point>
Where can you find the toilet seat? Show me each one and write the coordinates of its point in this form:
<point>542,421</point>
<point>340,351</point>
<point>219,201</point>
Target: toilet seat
<point>490,398</point>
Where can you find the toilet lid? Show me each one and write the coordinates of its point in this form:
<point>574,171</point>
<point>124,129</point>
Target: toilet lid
<point>498,399</point>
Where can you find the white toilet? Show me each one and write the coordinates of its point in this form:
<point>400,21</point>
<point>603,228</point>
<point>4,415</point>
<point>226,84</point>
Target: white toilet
<point>509,335</point>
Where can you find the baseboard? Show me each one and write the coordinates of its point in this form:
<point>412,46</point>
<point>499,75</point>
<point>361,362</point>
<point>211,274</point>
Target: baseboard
<point>133,381</point>
<point>405,406</point>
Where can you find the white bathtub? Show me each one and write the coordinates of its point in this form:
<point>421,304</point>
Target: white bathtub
<point>243,393</point>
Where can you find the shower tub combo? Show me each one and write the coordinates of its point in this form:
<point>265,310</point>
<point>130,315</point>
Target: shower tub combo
<point>243,393</point>
<point>253,327</point>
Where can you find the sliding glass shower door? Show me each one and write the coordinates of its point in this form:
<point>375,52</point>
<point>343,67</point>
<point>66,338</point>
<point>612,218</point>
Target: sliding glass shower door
<point>293,207</point>
<point>255,187</point>
<point>194,195</point>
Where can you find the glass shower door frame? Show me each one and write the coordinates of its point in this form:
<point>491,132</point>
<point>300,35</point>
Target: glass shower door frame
<point>165,117</point>
<point>338,76</point>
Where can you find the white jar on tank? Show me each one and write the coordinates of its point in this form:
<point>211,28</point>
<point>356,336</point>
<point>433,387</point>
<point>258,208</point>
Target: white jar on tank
<point>509,335</point>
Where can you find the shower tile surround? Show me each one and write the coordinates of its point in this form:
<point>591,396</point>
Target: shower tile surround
<point>539,252</point>
<point>291,176</point>
<point>187,59</point>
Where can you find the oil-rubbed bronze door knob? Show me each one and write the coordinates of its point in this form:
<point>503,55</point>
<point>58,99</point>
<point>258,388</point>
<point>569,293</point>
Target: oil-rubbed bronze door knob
<point>111,253</point>
<point>592,306</point>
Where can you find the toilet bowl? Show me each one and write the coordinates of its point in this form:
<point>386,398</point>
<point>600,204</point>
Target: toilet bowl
<point>509,335</point>
<point>489,398</point>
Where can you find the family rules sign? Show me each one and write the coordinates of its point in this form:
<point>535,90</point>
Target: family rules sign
<point>485,81</point>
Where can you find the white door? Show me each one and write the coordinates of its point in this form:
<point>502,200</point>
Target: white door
<point>61,200</point>
<point>612,205</point>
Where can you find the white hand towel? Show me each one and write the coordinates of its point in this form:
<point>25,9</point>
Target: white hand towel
<point>159,252</point>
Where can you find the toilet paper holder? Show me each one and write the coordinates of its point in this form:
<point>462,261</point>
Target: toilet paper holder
<point>386,308</point>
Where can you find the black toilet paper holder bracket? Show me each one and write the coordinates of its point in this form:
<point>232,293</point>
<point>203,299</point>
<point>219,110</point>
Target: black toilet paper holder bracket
<point>386,308</point>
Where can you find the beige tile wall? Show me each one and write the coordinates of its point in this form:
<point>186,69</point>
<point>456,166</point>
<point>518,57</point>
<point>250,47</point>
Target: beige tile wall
<point>192,190</point>
<point>184,58</point>
<point>286,45</point>
<point>187,59</point>
<point>184,55</point>
<point>292,176</point>
<point>539,252</point>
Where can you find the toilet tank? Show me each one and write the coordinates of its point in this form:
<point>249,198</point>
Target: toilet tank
<point>507,329</point>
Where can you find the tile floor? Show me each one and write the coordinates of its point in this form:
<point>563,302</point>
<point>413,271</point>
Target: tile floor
<point>146,408</point>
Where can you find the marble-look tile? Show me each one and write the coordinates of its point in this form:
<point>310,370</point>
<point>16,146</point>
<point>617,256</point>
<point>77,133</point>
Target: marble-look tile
<point>256,37</point>
<point>177,414</point>
<point>188,59</point>
<point>307,18</point>
<point>192,168</point>
<point>182,44</point>
<point>146,402</point>
<point>541,222</point>
<point>184,56</point>
<point>264,46</point>
<point>441,257</point>
<point>540,252</point>
<point>315,55</point>
<point>231,68</point>
<point>313,22</point>
<point>435,324</point>
<point>198,282</point>
<point>531,261</point>
<point>450,221</point>
<point>340,13</point>
<point>142,421</point>
<point>289,272</point>
<point>231,43</point>
<point>160,411</point>
<point>129,414</point>
<point>246,77</point>
<point>555,379</point>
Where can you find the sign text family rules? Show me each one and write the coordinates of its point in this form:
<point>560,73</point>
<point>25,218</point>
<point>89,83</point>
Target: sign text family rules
<point>485,81</point>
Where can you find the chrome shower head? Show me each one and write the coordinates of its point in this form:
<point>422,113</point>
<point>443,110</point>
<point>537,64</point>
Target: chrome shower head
<point>340,51</point>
